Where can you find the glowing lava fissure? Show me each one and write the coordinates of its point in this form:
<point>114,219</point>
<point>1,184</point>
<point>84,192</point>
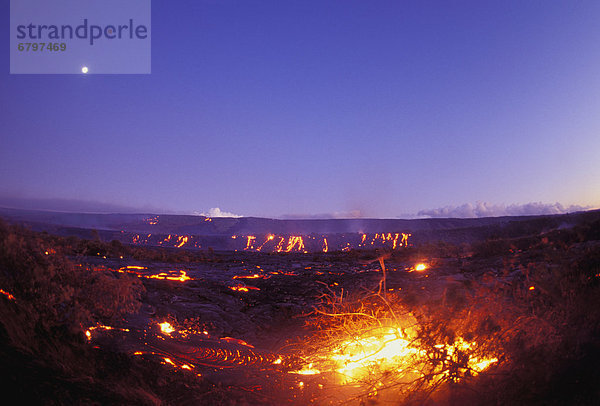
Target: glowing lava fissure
<point>393,349</point>
<point>190,349</point>
<point>8,295</point>
<point>386,352</point>
<point>384,356</point>
<point>375,342</point>
<point>176,275</point>
<point>278,243</point>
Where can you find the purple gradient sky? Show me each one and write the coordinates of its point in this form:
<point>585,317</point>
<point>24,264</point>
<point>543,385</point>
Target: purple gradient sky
<point>269,108</point>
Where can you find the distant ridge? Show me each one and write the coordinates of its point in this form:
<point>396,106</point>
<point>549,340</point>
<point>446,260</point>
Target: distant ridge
<point>224,226</point>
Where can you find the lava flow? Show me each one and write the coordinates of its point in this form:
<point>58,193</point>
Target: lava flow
<point>277,243</point>
<point>7,294</point>
<point>394,355</point>
<point>188,348</point>
<point>243,288</point>
<point>179,275</point>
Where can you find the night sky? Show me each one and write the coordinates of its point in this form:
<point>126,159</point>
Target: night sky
<point>304,108</point>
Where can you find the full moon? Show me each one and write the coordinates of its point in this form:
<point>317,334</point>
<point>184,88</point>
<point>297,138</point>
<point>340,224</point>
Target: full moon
<point>84,69</point>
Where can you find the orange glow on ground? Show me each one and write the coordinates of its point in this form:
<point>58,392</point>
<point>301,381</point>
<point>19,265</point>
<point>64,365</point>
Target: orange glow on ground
<point>420,267</point>
<point>181,241</point>
<point>287,243</point>
<point>387,349</point>
<point>250,242</point>
<point>166,328</point>
<point>7,294</point>
<point>178,275</point>
<point>243,288</point>
<point>295,242</point>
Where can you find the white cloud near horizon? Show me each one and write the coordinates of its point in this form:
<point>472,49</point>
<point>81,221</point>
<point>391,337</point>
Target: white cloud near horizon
<point>486,209</point>
<point>217,212</point>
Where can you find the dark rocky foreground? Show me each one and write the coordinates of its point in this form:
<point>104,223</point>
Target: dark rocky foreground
<point>533,297</point>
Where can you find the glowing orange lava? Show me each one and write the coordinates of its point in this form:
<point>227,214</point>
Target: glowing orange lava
<point>287,243</point>
<point>250,242</point>
<point>166,328</point>
<point>387,349</point>
<point>181,241</point>
<point>243,288</point>
<point>151,220</point>
<point>293,242</point>
<point>7,294</point>
<point>178,275</point>
<point>269,238</point>
<point>236,341</point>
<point>88,332</point>
<point>254,276</point>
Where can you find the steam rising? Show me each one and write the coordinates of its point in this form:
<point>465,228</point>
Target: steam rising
<point>485,209</point>
<point>217,212</point>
